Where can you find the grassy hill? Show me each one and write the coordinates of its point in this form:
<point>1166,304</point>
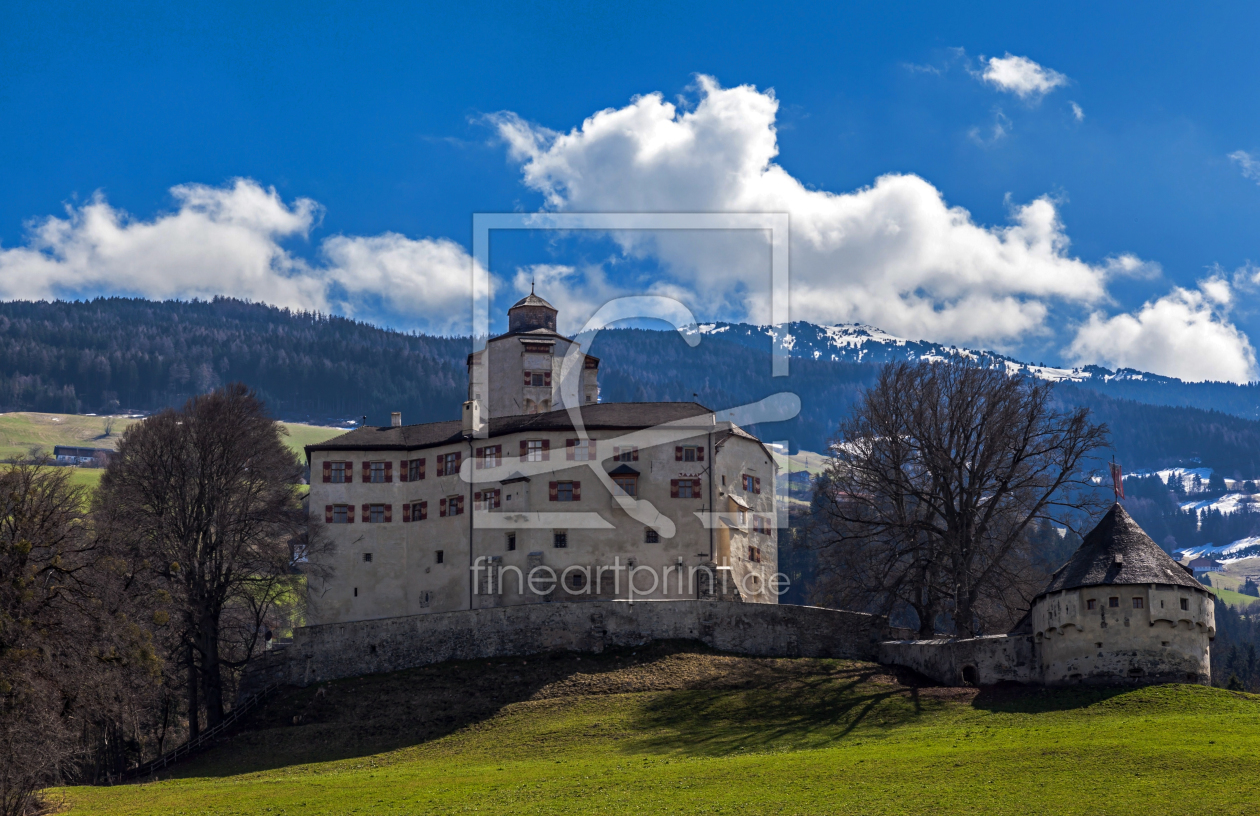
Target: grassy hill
<point>23,432</point>
<point>677,729</point>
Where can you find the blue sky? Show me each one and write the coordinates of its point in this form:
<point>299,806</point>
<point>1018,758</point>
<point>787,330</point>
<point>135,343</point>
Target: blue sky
<point>1088,197</point>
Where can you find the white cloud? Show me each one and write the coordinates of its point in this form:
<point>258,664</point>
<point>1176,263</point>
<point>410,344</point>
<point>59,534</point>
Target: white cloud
<point>1021,76</point>
<point>1077,112</point>
<point>1249,165</point>
<point>229,241</point>
<point>1185,334</point>
<point>894,254</point>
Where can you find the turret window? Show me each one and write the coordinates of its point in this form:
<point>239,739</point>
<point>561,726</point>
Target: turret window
<point>1185,604</point>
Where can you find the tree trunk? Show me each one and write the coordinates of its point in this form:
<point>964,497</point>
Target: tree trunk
<point>194,704</point>
<point>211,674</point>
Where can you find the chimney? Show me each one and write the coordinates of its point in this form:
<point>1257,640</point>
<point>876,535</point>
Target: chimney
<point>395,419</point>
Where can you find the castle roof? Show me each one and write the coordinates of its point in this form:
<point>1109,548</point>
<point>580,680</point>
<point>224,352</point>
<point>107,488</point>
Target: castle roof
<point>1118,551</point>
<point>533,300</point>
<point>600,416</point>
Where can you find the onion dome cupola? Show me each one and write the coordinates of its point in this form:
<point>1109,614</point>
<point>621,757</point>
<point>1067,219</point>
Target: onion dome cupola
<point>531,313</point>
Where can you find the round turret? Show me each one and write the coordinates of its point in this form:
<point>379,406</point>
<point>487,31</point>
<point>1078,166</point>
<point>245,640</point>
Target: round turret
<point>1123,611</point>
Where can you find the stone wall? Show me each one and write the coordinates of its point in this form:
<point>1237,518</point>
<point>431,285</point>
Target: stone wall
<point>338,650</point>
<point>974,661</point>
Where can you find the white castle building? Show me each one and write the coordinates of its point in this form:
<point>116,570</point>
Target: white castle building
<point>542,493</point>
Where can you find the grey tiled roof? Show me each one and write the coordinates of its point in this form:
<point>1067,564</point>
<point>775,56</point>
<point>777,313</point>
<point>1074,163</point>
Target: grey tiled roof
<point>533,300</point>
<point>1118,551</point>
<point>602,416</point>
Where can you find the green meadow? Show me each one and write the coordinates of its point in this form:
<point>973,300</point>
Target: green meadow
<point>24,432</point>
<point>685,731</point>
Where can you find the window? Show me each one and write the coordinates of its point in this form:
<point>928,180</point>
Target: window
<point>339,513</point>
<point>337,472</point>
<point>580,450</point>
<point>538,379</point>
<point>535,450</point>
<point>754,554</point>
<point>761,524</point>
<point>511,542</point>
<point>629,453</point>
<point>486,500</point>
<point>566,491</point>
<point>438,556</point>
<point>378,472</point>
<point>1185,604</point>
<point>451,506</point>
<point>689,453</point>
<point>576,581</point>
<point>416,511</point>
<point>628,484</point>
<point>448,464</point>
<point>741,517</point>
<point>367,558</point>
<point>1114,603</point>
<point>1091,604</point>
<point>356,592</point>
<point>560,539</point>
<point>651,536</point>
<point>752,484</point>
<point>377,513</point>
<point>1137,603</point>
<point>424,599</point>
<point>684,488</point>
<point>415,470</point>
<point>490,456</point>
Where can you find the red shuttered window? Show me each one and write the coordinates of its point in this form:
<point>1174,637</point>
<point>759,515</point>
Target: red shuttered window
<point>327,472</point>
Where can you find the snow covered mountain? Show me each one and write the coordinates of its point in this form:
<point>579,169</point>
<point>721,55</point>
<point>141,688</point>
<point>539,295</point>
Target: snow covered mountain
<point>859,343</point>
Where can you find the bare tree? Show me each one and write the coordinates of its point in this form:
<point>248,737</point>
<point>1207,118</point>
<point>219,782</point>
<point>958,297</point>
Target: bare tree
<point>937,481</point>
<point>207,496</point>
<point>75,651</point>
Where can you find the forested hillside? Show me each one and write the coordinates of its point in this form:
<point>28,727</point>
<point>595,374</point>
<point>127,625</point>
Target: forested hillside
<point>115,353</point>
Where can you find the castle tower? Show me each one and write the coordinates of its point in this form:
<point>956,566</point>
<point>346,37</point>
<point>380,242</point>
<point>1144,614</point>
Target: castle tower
<point>519,372</point>
<point>1123,611</point>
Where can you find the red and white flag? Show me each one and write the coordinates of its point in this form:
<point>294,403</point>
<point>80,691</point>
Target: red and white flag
<point>1117,480</point>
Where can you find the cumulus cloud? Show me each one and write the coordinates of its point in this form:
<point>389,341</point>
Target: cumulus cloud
<point>1021,76</point>
<point>894,254</point>
<point>1248,163</point>
<point>230,241</point>
<point>1077,112</point>
<point>1185,334</point>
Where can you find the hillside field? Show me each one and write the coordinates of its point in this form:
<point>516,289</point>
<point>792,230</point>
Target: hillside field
<point>22,432</point>
<point>679,729</point>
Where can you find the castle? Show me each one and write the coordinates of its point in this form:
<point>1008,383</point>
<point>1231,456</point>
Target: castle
<point>536,521</point>
<point>542,493</point>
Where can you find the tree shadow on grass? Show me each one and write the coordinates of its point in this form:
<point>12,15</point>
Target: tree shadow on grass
<point>362,716</point>
<point>796,712</point>
<point>1015,698</point>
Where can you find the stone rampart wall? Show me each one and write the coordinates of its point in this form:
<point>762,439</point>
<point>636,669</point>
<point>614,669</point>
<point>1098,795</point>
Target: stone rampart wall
<point>338,650</point>
<point>993,659</point>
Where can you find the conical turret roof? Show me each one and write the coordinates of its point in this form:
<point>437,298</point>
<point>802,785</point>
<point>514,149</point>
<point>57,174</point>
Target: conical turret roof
<point>1118,551</point>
